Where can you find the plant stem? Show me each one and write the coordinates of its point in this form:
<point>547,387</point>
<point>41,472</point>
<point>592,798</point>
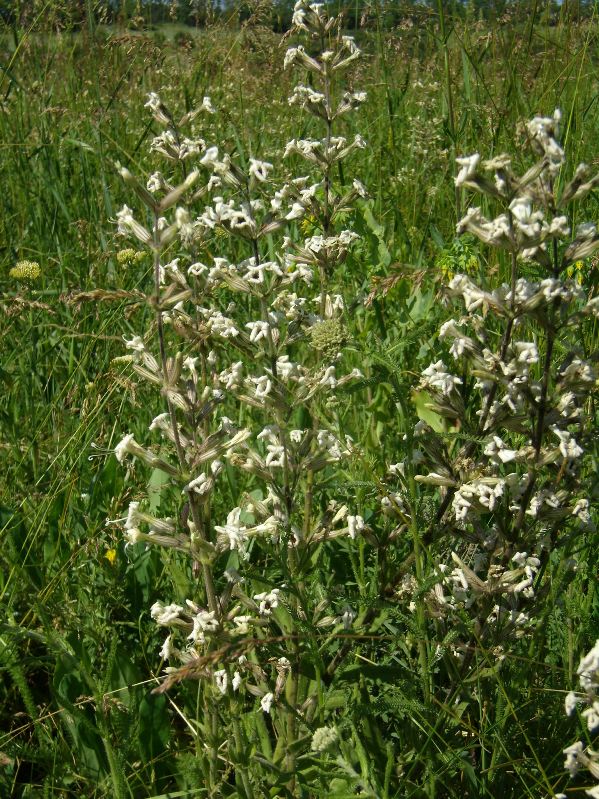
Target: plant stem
<point>195,514</point>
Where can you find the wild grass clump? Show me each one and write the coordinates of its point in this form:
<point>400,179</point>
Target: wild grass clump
<point>300,442</point>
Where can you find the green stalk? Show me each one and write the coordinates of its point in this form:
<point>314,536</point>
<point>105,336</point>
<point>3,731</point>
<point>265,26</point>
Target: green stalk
<point>419,563</point>
<point>239,752</point>
<point>211,598</point>
<point>449,96</point>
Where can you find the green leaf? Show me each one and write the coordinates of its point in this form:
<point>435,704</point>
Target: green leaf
<point>154,726</point>
<point>379,673</point>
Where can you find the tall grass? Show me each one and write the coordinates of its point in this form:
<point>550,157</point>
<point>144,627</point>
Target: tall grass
<point>77,654</point>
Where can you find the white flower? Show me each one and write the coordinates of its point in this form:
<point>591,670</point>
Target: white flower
<point>468,170</point>
<point>582,512</point>
<point>207,105</point>
<point>588,670</point>
<point>258,330</point>
<point>233,529</point>
<point>286,369</point>
<point>191,365</point>
<point>222,680</point>
<point>127,224</point>
<point>527,352</point>
<point>259,169</point>
<point>136,344</point>
<point>164,615</point>
<point>355,524</point>
<point>161,422</point>
<point>498,452</point>
<point>328,378</point>
<point>123,448</point>
<point>200,485</point>
<point>232,376</point>
<point>268,600</point>
<point>167,649</point>
<point>292,54</point>
<point>570,703</point>
<point>567,446</point>
<point>275,456</point>
<point>203,622</point>
<point>297,212</point>
<point>572,753</point>
<point>347,617</point>
<point>236,681</point>
<point>210,158</point>
<point>591,714</point>
<point>436,376</point>
<point>133,518</point>
<point>242,624</point>
<point>266,702</point>
<point>305,96</point>
<point>154,103</point>
<point>263,386</point>
<point>222,326</point>
<point>476,497</point>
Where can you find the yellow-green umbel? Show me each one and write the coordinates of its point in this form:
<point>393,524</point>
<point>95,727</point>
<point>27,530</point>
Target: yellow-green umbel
<point>328,337</point>
<point>26,271</point>
<point>129,257</point>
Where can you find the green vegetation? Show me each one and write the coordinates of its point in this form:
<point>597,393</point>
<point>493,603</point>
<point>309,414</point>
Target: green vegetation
<point>78,649</point>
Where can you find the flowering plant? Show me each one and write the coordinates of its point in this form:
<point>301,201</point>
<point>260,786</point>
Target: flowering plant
<point>249,359</point>
<point>241,633</point>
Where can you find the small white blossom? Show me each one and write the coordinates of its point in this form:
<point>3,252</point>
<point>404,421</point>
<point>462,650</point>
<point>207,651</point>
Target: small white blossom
<point>266,702</point>
<point>324,738</point>
<point>203,622</point>
<point>436,376</point>
<point>567,446</point>
<point>268,600</point>
<point>222,680</point>
<point>164,615</point>
<point>236,681</point>
<point>468,166</point>
<point>355,524</point>
<point>259,169</point>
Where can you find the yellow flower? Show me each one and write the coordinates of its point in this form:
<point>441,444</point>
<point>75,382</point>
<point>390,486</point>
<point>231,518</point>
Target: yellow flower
<point>308,224</point>
<point>110,556</point>
<point>575,270</point>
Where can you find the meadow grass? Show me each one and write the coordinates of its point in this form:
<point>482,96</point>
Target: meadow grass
<point>77,654</point>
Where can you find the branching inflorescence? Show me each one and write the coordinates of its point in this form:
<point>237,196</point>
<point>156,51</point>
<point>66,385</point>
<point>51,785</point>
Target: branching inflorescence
<point>261,340</point>
<point>513,413</point>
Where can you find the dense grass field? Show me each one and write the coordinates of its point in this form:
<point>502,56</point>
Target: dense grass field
<point>79,652</point>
